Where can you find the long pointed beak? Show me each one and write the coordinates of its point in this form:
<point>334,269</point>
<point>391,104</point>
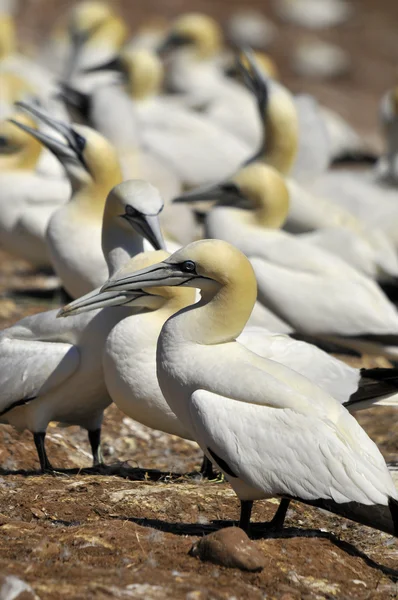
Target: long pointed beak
<point>57,146</point>
<point>75,99</point>
<point>149,227</point>
<point>205,193</point>
<point>95,300</point>
<point>42,116</point>
<point>114,64</point>
<point>161,274</point>
<point>54,144</point>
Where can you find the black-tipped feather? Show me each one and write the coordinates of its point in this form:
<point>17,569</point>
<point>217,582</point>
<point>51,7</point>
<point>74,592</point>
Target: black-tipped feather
<point>375,383</point>
<point>383,518</point>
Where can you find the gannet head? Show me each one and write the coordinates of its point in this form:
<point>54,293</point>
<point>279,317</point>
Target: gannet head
<point>144,72</point>
<point>16,144</point>
<point>222,273</point>
<point>206,264</point>
<point>256,186</point>
<point>197,31</point>
<point>88,17</point>
<point>152,300</point>
<point>7,35</point>
<point>278,115</point>
<point>86,155</point>
<point>138,204</point>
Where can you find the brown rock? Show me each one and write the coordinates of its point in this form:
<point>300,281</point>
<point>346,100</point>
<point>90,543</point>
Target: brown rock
<point>229,547</point>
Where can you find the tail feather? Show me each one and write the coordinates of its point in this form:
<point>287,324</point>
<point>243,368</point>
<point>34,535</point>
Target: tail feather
<point>376,386</point>
<point>383,518</point>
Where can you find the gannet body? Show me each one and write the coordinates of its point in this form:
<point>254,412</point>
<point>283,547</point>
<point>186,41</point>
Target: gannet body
<point>129,355</point>
<point>61,361</point>
<point>74,232</point>
<point>27,198</point>
<point>195,149</point>
<point>330,296</point>
<point>270,430</point>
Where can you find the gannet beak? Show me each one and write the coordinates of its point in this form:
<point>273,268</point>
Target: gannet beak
<point>75,99</point>
<point>226,192</point>
<point>172,41</point>
<point>94,301</point>
<point>57,146</point>
<point>162,274</point>
<point>149,227</point>
<point>114,64</point>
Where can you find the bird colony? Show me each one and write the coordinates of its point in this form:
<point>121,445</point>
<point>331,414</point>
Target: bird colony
<point>211,255</point>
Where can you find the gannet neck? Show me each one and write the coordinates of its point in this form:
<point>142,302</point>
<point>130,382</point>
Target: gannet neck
<point>7,36</point>
<point>91,187</point>
<point>24,149</point>
<point>265,189</point>
<point>228,295</point>
<point>119,244</point>
<point>281,129</point>
<point>144,71</point>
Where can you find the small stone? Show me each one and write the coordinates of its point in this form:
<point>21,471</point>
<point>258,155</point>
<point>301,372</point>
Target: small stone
<point>229,547</point>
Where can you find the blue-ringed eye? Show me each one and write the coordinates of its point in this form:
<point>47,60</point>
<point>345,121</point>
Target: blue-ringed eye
<point>130,211</point>
<point>188,266</point>
<point>80,141</point>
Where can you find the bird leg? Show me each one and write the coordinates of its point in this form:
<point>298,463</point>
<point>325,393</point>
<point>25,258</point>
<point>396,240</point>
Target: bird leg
<point>278,519</point>
<point>39,438</point>
<point>206,470</point>
<point>94,437</point>
<point>245,513</point>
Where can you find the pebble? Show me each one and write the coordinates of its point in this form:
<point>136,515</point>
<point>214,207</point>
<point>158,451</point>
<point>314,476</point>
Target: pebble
<point>229,547</point>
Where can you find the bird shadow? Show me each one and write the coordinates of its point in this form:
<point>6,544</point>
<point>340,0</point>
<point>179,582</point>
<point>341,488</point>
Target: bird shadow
<point>261,531</point>
<point>117,469</point>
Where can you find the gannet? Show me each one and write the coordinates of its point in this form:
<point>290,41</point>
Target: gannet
<point>338,229</point>
<point>27,198</point>
<point>313,290</point>
<point>51,369</point>
<point>74,231</point>
<point>270,430</point>
<point>193,147</point>
<point>195,69</point>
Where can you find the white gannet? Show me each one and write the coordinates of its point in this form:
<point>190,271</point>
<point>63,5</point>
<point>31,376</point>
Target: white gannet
<point>195,69</point>
<point>308,287</point>
<point>129,357</point>
<point>74,231</point>
<point>192,147</point>
<point>270,430</point>
<point>27,198</point>
<point>51,369</point>
<point>337,228</point>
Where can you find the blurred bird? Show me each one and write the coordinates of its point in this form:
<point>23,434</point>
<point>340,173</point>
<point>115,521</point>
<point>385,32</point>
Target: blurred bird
<point>27,198</point>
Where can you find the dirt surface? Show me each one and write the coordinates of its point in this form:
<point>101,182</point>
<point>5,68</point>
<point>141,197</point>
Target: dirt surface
<point>126,532</point>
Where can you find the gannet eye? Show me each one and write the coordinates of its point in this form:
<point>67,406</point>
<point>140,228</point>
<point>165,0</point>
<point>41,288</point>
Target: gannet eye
<point>80,141</point>
<point>230,188</point>
<point>130,211</point>
<point>188,266</point>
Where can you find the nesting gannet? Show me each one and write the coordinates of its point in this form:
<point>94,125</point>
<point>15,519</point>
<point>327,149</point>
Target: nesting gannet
<point>193,147</point>
<point>343,232</point>
<point>74,231</point>
<point>195,69</point>
<point>51,369</point>
<point>270,430</point>
<point>308,287</point>
<point>129,357</point>
<point>27,198</point>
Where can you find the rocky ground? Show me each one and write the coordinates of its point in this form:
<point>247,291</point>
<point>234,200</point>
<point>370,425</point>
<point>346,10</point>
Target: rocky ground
<point>126,532</point>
